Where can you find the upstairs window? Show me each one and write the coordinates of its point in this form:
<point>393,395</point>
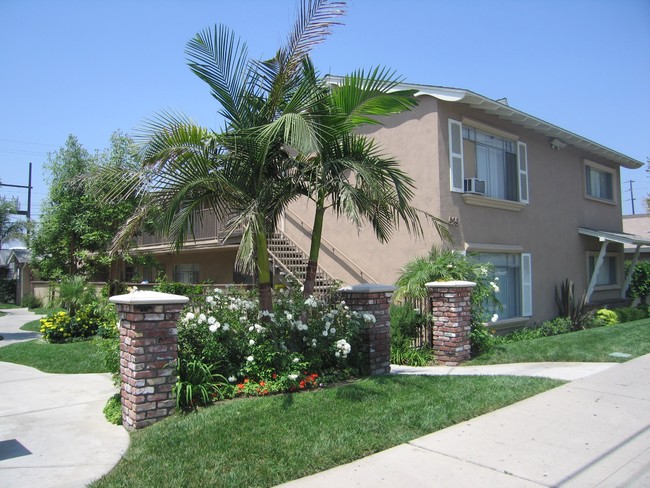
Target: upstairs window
<point>487,163</point>
<point>599,182</point>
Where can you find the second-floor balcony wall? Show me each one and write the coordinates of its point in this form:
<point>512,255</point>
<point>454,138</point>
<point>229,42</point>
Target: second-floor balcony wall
<point>207,227</point>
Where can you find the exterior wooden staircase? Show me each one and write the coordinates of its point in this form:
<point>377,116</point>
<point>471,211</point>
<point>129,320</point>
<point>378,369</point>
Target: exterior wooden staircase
<point>289,262</point>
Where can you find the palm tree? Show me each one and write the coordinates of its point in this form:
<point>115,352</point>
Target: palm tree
<point>243,173</point>
<point>348,173</point>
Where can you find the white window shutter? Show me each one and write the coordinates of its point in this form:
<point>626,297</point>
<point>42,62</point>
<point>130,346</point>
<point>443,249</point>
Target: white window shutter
<point>523,171</point>
<point>456,175</point>
<point>526,286</point>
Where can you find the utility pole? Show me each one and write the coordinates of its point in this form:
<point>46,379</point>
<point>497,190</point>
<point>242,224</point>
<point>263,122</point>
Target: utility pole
<point>27,212</point>
<point>631,190</point>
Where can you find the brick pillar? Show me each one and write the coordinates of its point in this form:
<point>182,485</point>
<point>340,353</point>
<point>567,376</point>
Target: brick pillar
<point>451,309</point>
<point>375,337</point>
<point>148,352</point>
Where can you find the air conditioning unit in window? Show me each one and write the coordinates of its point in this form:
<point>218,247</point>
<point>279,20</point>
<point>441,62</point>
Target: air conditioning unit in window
<point>474,185</point>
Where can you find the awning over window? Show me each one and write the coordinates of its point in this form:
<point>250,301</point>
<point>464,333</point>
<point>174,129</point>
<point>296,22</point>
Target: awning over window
<point>605,237</point>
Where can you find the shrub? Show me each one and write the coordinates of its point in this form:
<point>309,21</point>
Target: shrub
<point>97,318</point>
<point>74,292</point>
<point>113,409</point>
<point>404,324</point>
<point>410,356</point>
<point>301,337</point>
<point>482,339</point>
<point>7,291</point>
<point>110,349</point>
<point>56,328</point>
<point>557,326</point>
<point>32,301</point>
<point>571,306</point>
<point>606,317</point>
<point>193,292</point>
<point>629,314</point>
<point>196,385</point>
<point>640,284</point>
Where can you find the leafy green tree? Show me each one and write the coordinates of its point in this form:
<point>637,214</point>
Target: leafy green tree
<point>10,228</point>
<point>640,284</point>
<point>76,229</point>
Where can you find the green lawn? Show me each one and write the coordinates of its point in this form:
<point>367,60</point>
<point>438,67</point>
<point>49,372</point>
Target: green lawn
<point>71,358</point>
<point>261,442</point>
<point>593,345</point>
<point>8,305</point>
<point>33,326</point>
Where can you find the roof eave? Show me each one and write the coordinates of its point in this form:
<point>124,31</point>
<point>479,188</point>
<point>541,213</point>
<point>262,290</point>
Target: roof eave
<point>515,116</point>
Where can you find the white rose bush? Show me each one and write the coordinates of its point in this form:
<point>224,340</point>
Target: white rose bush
<point>303,343</point>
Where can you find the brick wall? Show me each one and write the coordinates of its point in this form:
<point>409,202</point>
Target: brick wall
<point>374,299</point>
<point>148,352</point>
<point>451,308</point>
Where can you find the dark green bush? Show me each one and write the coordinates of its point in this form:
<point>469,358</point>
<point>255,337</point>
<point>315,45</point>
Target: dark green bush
<point>7,291</point>
<point>640,284</point>
<point>629,314</point>
<point>31,301</point>
<point>113,410</point>
<point>404,323</point>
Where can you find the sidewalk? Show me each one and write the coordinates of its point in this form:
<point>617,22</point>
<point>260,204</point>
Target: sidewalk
<point>592,432</point>
<point>52,430</point>
<point>11,323</point>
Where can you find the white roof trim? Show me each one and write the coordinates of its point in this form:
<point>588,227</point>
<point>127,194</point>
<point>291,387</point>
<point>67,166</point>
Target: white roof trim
<point>619,237</point>
<point>515,116</point>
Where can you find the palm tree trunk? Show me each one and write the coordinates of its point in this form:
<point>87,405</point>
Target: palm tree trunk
<point>263,272</point>
<point>314,249</point>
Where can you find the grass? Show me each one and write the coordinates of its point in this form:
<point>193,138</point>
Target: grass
<point>261,442</point>
<point>593,345</point>
<point>8,305</point>
<point>33,326</point>
<point>70,358</point>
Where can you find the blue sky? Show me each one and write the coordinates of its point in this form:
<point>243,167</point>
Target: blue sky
<point>89,68</point>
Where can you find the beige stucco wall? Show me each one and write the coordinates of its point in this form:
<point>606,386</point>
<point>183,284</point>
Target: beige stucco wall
<point>216,265</point>
<point>546,227</point>
<point>412,139</point>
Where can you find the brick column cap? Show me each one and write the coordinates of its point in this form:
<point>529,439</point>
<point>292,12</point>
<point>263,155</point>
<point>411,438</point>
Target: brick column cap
<point>451,284</point>
<point>148,297</point>
<point>368,288</point>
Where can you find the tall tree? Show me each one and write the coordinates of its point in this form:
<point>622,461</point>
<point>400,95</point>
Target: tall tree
<point>244,173</point>
<point>348,172</point>
<point>75,229</point>
<point>10,228</point>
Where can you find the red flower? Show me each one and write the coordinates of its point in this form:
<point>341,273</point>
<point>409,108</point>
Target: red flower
<point>262,383</point>
<point>274,376</point>
<point>302,384</point>
<point>240,386</point>
<point>245,380</point>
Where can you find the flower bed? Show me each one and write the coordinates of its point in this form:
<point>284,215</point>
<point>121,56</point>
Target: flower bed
<point>302,344</point>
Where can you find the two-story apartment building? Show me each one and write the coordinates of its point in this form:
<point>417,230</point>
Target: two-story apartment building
<point>539,202</point>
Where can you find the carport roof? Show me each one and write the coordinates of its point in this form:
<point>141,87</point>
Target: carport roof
<point>620,237</point>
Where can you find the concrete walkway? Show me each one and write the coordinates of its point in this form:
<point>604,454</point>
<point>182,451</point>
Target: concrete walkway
<point>11,323</point>
<point>592,432</point>
<point>52,429</point>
